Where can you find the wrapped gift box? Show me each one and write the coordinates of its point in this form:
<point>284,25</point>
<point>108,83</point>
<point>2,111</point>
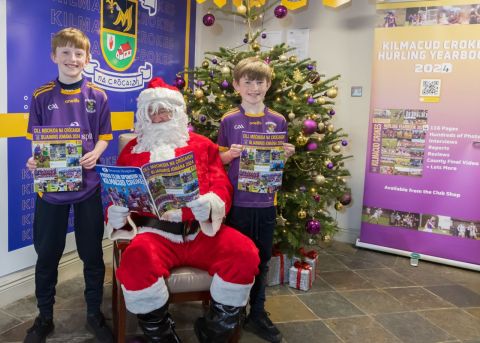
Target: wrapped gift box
<point>300,276</point>
<point>311,257</point>
<point>278,269</point>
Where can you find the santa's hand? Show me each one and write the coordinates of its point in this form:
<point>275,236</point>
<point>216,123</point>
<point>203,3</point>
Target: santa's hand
<point>117,216</point>
<point>200,208</point>
<point>235,150</point>
<point>172,216</point>
<point>289,149</point>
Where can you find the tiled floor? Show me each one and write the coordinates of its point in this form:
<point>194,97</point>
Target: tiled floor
<point>359,296</point>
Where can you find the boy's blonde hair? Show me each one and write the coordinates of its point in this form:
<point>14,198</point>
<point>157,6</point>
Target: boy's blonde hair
<point>253,68</point>
<point>71,36</point>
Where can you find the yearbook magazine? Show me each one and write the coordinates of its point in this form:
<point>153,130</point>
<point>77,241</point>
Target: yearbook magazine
<point>261,162</point>
<point>57,151</point>
<point>154,188</point>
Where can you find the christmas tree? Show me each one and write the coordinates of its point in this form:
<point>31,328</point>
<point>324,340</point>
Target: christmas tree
<point>314,184</point>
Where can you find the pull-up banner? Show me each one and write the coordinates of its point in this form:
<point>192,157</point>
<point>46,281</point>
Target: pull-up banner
<point>423,157</point>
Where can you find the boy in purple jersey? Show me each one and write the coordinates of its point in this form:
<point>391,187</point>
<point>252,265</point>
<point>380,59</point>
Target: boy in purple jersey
<point>70,101</point>
<point>253,214</point>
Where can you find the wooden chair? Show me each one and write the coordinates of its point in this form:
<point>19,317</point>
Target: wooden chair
<point>184,284</point>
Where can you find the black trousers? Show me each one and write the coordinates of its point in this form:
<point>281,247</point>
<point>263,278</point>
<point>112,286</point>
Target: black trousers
<point>258,224</point>
<point>49,234</point>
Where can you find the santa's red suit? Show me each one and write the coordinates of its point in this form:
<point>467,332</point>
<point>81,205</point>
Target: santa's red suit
<point>230,257</point>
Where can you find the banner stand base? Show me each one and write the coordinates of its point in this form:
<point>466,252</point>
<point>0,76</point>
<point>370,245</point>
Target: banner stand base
<point>435,259</point>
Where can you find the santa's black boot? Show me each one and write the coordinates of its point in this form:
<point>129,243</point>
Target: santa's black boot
<point>158,326</point>
<point>218,324</point>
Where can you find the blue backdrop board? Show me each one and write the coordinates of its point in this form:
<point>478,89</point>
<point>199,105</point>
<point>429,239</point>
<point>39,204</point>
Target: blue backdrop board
<point>132,40</point>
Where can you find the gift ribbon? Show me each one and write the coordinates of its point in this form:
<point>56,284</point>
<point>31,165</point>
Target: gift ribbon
<point>312,254</point>
<point>282,265</point>
<point>303,266</point>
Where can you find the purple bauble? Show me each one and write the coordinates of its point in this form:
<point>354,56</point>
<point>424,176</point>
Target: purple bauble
<point>208,19</point>
<point>310,100</point>
<point>200,83</point>
<point>346,199</point>
<point>344,142</point>
<point>316,197</point>
<point>309,126</point>
<point>313,226</point>
<point>280,11</point>
<point>225,84</point>
<point>180,82</point>
<point>302,189</point>
<point>310,67</point>
<point>311,146</point>
<point>332,112</point>
<point>190,128</point>
<point>264,35</point>
<point>330,165</point>
<point>203,118</point>
<point>211,74</point>
<point>214,61</point>
<point>245,40</point>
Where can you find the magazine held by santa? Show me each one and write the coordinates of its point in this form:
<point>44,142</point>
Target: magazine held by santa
<point>154,188</point>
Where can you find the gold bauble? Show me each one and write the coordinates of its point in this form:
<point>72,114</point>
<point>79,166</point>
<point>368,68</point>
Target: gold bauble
<point>332,92</point>
<point>293,59</point>
<point>336,148</point>
<point>321,127</point>
<point>327,238</point>
<point>198,93</point>
<point>338,206</point>
<point>282,58</point>
<point>242,9</point>
<point>302,214</point>
<point>225,70</point>
<point>255,46</point>
<point>291,93</point>
<point>313,190</point>
<point>291,116</point>
<point>321,100</point>
<point>205,64</point>
<point>330,127</point>
<point>301,140</point>
<point>278,99</point>
<point>319,179</point>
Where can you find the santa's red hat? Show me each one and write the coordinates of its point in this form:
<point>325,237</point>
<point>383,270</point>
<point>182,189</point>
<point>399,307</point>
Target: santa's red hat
<point>159,91</point>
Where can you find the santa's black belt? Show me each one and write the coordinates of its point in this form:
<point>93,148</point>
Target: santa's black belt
<point>183,228</point>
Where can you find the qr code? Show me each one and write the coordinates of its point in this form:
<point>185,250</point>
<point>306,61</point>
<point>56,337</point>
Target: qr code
<point>430,87</point>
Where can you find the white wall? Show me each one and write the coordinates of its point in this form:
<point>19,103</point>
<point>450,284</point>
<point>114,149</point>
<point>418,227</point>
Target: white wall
<point>341,42</point>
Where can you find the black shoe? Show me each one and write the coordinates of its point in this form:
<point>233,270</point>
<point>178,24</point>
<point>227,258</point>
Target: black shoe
<point>262,326</point>
<point>97,326</point>
<point>41,328</point>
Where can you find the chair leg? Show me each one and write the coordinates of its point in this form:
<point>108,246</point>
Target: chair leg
<point>122,317</point>
<point>236,335</point>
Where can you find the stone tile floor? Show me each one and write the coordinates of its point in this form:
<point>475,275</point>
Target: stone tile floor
<point>358,296</point>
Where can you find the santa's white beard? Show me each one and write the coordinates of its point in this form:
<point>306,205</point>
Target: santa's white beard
<point>161,139</point>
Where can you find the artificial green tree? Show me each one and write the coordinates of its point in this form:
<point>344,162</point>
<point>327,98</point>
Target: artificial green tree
<point>314,182</point>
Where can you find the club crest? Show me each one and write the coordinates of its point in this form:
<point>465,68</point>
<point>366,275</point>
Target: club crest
<point>118,33</point>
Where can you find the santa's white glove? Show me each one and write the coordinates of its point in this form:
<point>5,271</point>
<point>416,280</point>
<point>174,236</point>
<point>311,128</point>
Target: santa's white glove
<point>172,216</point>
<point>200,208</point>
<point>117,216</point>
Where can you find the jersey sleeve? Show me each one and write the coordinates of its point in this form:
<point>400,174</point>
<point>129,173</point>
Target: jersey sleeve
<point>222,140</point>
<point>105,124</point>
<point>34,117</point>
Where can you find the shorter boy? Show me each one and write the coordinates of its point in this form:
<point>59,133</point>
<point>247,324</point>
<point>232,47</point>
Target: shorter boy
<point>253,214</point>
<point>70,101</point>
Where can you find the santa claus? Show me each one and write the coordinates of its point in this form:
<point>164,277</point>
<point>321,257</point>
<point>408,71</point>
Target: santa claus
<point>191,236</point>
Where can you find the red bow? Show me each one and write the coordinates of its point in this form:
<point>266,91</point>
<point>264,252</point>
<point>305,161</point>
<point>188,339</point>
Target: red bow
<point>312,254</point>
<point>303,266</point>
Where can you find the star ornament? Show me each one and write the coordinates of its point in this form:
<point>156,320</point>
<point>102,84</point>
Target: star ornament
<point>297,75</point>
<point>211,97</point>
<point>281,221</point>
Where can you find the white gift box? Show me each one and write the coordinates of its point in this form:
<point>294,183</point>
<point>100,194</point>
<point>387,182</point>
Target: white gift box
<point>300,278</point>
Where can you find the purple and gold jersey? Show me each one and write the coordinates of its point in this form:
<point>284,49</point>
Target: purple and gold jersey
<point>86,107</point>
<point>232,125</point>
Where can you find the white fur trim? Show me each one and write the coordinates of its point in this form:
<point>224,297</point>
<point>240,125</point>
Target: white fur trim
<point>173,97</point>
<point>114,234</point>
<point>147,299</point>
<point>174,215</point>
<point>218,213</point>
<point>227,293</point>
<point>170,236</point>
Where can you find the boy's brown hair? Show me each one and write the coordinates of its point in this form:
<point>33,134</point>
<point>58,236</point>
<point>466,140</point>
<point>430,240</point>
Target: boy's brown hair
<point>253,68</point>
<point>71,36</point>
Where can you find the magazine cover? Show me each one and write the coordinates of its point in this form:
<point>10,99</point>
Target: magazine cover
<point>57,151</point>
<point>155,187</point>
<point>261,162</point>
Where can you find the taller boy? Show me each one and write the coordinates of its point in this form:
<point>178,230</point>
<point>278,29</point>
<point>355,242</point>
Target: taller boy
<point>253,214</point>
<point>70,101</point>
